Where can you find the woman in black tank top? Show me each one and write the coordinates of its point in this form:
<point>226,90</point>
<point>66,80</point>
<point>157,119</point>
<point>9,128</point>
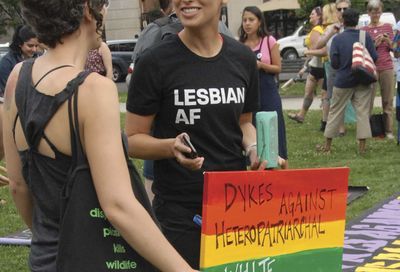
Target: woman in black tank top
<point>37,137</point>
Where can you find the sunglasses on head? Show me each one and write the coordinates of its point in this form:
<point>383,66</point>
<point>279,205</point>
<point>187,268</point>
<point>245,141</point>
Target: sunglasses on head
<point>341,9</point>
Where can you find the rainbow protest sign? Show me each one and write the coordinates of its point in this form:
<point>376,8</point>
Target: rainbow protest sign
<point>263,221</point>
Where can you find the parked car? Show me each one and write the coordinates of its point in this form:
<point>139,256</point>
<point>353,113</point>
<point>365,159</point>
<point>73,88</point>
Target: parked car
<point>129,75</point>
<point>121,52</point>
<point>386,17</point>
<point>292,47</point>
<point>3,50</point>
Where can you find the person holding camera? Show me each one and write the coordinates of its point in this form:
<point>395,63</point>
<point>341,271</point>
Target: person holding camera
<point>382,35</point>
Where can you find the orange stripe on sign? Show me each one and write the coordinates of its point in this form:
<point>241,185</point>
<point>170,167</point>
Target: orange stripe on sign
<point>264,196</point>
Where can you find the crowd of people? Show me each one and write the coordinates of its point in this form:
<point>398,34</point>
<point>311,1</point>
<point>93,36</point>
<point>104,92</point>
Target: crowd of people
<point>343,88</point>
<point>168,105</point>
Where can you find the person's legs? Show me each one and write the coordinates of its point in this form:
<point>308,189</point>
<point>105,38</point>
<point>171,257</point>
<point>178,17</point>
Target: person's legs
<point>178,227</point>
<point>1,132</point>
<point>386,81</point>
<point>325,109</point>
<point>311,85</point>
<point>361,101</point>
<point>336,114</point>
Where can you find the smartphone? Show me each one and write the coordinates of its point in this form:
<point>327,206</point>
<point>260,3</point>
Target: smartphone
<point>193,153</point>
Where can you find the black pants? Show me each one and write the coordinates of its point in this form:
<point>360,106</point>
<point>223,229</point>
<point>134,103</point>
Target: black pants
<point>177,225</point>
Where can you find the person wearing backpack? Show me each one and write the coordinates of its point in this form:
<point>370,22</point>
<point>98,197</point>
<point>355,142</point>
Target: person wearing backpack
<point>153,34</point>
<point>41,135</point>
<point>162,27</point>
<point>199,86</point>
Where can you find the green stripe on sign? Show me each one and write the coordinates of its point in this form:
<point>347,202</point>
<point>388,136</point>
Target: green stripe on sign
<point>320,260</point>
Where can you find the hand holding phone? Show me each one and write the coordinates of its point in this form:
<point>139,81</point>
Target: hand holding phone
<point>193,153</point>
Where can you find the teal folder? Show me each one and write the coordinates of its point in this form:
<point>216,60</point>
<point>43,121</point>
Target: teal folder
<point>267,137</point>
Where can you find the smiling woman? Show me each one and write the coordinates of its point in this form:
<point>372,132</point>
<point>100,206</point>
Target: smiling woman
<point>198,84</point>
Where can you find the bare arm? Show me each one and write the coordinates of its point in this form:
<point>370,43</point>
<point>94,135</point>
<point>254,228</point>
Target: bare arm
<point>316,52</point>
<point>313,51</point>
<point>275,66</point>
<point>329,32</point>
<point>144,146</point>
<point>18,187</point>
<point>99,118</point>
<point>107,59</point>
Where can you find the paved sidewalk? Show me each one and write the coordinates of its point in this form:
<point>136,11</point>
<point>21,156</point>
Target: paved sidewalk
<point>294,103</point>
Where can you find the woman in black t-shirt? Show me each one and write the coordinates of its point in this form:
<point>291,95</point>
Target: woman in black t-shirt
<point>199,84</point>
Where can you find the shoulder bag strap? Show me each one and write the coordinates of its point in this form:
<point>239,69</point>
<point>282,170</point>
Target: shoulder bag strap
<point>269,50</point>
<point>362,41</point>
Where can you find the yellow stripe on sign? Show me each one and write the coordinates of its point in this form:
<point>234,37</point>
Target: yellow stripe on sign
<point>247,243</point>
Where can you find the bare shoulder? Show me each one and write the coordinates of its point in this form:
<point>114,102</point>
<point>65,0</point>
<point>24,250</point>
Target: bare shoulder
<point>104,47</point>
<point>98,93</point>
<point>11,85</point>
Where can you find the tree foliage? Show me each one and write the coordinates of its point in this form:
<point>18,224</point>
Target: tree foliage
<point>10,15</point>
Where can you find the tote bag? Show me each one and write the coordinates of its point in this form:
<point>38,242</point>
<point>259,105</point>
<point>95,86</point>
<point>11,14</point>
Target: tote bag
<point>87,241</point>
<point>377,123</point>
<point>363,67</point>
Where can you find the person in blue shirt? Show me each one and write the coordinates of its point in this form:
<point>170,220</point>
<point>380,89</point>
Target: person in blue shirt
<point>23,46</point>
<point>347,85</point>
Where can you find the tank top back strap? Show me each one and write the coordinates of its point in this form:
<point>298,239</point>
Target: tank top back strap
<point>35,109</point>
<point>49,72</point>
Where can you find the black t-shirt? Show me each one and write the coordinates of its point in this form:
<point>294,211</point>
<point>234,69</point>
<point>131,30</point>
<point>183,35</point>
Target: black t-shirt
<point>203,97</point>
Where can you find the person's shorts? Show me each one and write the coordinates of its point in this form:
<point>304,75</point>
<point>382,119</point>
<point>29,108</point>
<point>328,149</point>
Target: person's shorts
<point>317,72</point>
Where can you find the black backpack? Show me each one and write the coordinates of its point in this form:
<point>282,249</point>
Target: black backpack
<point>168,25</point>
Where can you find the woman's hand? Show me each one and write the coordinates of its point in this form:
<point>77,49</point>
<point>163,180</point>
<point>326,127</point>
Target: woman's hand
<point>301,72</point>
<point>282,163</point>
<point>259,65</point>
<point>255,163</point>
<point>180,151</point>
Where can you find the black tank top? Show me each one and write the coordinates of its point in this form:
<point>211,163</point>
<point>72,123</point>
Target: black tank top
<point>45,176</point>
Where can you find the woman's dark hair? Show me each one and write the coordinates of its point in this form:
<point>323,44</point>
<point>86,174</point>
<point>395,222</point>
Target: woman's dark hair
<point>262,31</point>
<point>54,19</point>
<point>350,17</point>
<point>318,11</point>
<point>22,34</point>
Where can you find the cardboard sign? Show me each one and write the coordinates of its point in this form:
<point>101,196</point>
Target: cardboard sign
<point>262,221</point>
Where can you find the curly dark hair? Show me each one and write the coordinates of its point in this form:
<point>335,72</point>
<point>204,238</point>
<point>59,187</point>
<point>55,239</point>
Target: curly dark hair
<point>22,34</point>
<point>262,31</point>
<point>54,19</point>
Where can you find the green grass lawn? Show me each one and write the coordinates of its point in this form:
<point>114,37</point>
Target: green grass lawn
<point>378,169</point>
<point>297,90</point>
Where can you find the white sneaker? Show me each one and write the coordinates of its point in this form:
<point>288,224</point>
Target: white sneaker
<point>389,136</point>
